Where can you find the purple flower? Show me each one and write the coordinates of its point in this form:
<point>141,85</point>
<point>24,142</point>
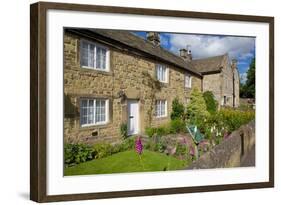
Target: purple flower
<point>184,141</point>
<point>138,145</point>
<point>191,151</point>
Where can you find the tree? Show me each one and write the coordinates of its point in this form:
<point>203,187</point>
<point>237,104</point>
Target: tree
<point>211,103</point>
<point>196,108</point>
<point>177,110</point>
<point>248,89</point>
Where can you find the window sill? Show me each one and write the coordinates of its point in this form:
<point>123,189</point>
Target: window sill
<point>93,70</point>
<point>94,126</point>
<point>161,117</point>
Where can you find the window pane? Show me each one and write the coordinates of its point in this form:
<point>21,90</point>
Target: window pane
<point>101,58</point>
<point>158,72</point>
<point>90,112</point>
<point>83,112</point>
<point>163,73</point>
<point>84,53</point>
<point>92,55</point>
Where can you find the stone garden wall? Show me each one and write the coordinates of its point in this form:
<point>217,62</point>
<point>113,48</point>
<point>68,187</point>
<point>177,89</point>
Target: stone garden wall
<point>231,152</point>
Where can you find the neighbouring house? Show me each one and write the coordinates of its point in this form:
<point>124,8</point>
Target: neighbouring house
<point>113,78</point>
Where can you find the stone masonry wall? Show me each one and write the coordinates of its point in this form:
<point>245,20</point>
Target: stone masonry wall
<point>221,84</point>
<point>129,74</point>
<point>213,83</point>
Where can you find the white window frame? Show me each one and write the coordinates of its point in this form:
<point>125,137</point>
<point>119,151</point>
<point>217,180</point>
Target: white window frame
<point>94,105</point>
<point>189,83</point>
<point>158,114</point>
<point>159,67</point>
<point>107,56</point>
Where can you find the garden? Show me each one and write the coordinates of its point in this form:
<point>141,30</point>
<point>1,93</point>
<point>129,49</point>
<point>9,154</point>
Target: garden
<point>192,131</point>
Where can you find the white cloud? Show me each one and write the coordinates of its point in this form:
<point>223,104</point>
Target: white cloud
<point>203,46</point>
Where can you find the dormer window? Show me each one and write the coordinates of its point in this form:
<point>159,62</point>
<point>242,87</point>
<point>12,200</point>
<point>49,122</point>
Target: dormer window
<point>94,56</point>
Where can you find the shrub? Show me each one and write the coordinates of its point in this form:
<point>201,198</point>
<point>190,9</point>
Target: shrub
<point>196,109</point>
<point>127,144</point>
<point>211,103</point>
<point>225,121</point>
<point>157,131</point>
<point>102,150</point>
<point>233,119</point>
<point>124,130</point>
<point>161,131</point>
<point>177,110</point>
<point>156,146</point>
<point>76,153</point>
<point>150,131</point>
<point>177,126</point>
<point>182,150</point>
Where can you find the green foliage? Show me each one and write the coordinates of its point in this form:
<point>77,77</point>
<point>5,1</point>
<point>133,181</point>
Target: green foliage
<point>177,126</point>
<point>177,110</point>
<point>211,103</point>
<point>248,89</point>
<point>196,109</point>
<point>76,153</point>
<point>173,127</point>
<point>182,150</point>
<point>124,130</point>
<point>156,146</point>
<point>157,131</point>
<point>101,150</point>
<point>233,119</point>
<point>228,120</point>
<point>127,144</point>
<point>150,131</point>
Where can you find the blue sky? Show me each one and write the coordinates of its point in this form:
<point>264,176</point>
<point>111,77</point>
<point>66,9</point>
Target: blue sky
<point>202,46</point>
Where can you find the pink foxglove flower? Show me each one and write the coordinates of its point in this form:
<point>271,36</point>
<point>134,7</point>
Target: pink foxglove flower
<point>191,151</point>
<point>138,146</point>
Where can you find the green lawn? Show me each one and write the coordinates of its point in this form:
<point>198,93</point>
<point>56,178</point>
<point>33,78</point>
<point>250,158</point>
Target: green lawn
<point>127,161</point>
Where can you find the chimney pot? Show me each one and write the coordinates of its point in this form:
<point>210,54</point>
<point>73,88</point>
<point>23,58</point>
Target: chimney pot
<point>185,54</point>
<point>234,63</point>
<point>153,37</point>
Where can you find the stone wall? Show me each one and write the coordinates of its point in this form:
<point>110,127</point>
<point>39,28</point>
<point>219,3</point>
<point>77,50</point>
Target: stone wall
<point>129,74</point>
<point>231,152</point>
<point>237,88</point>
<point>213,82</point>
<point>221,84</point>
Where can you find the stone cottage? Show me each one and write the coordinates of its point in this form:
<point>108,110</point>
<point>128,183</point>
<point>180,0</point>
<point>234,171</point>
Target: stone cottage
<point>115,78</point>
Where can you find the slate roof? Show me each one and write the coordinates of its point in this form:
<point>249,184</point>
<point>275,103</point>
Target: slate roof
<point>199,66</point>
<point>209,65</point>
<point>133,41</point>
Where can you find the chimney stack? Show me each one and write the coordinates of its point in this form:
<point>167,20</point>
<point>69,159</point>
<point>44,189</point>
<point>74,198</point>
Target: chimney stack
<point>234,64</point>
<point>153,37</point>
<point>185,54</point>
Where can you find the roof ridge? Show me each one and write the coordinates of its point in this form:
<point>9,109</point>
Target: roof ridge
<point>210,57</point>
<point>166,50</point>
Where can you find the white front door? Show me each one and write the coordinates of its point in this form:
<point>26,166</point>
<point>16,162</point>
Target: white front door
<point>133,117</point>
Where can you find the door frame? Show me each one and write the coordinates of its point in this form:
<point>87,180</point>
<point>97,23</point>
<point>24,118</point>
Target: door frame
<point>128,115</point>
